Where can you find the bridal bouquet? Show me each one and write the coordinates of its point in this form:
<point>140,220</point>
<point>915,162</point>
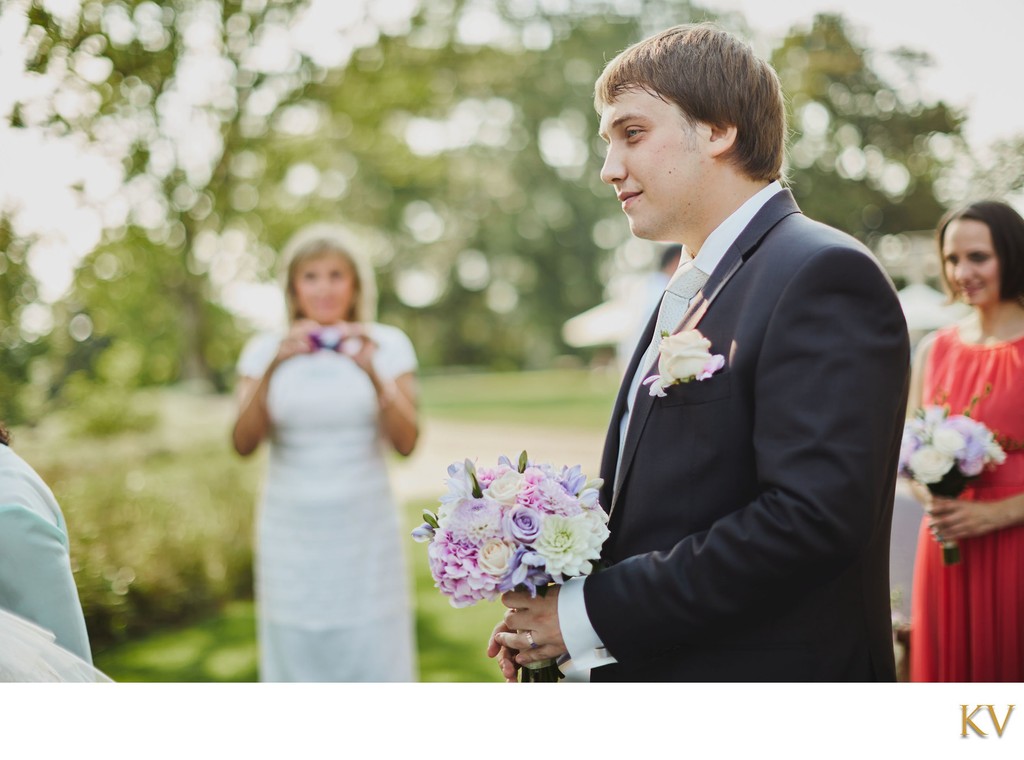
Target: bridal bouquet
<point>513,526</point>
<point>944,452</point>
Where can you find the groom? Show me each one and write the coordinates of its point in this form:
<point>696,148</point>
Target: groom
<point>750,511</point>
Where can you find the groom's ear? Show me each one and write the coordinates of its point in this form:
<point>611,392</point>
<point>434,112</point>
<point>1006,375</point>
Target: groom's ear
<point>722,139</point>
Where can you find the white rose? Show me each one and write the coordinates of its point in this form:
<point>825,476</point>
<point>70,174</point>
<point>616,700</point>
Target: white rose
<point>494,557</point>
<point>948,441</point>
<point>505,488</point>
<point>683,355</point>
<point>929,464</point>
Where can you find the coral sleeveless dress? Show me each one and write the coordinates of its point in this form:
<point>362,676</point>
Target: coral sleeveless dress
<point>968,619</point>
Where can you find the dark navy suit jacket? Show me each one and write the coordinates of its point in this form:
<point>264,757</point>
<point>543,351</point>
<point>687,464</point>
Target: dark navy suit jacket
<point>751,513</point>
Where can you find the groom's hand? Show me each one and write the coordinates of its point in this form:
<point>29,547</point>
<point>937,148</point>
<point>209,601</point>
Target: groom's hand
<point>529,632</point>
<point>505,656</point>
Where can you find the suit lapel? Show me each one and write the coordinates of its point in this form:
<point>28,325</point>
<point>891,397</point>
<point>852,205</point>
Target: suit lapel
<point>777,208</point>
<point>745,246</point>
<point>610,454</point>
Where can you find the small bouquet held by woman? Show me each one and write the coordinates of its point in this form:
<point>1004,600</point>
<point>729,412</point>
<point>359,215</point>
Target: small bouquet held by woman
<point>523,526</point>
<point>944,452</point>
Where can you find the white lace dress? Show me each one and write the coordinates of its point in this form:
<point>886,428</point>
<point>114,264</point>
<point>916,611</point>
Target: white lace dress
<point>332,586</point>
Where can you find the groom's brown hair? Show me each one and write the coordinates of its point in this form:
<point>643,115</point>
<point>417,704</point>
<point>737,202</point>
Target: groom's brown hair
<point>712,77</point>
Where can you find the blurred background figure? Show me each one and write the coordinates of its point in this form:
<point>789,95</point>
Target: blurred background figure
<point>615,325</point>
<point>36,581</point>
<point>967,618</point>
<point>331,396</point>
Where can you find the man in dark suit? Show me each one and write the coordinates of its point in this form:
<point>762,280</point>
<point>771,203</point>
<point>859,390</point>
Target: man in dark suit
<point>750,511</point>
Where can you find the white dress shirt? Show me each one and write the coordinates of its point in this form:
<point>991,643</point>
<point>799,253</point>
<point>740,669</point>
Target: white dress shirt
<point>584,645</point>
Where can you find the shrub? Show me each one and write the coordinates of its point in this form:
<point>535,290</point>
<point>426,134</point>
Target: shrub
<point>160,523</point>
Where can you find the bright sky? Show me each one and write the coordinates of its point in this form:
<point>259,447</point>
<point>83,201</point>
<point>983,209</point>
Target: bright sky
<point>975,46</point>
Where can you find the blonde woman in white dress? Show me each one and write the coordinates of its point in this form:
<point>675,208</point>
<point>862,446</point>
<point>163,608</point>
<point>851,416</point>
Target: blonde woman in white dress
<point>332,396</point>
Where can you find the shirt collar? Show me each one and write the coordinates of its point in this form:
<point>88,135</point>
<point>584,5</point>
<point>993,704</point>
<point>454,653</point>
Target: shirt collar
<point>725,234</point>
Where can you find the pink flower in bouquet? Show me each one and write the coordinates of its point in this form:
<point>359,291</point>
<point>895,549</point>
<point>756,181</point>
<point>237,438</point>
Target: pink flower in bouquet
<point>455,566</point>
<point>475,520</point>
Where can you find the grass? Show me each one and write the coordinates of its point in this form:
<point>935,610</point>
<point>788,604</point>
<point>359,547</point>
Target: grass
<point>160,521</point>
<point>562,399</point>
<point>450,641</point>
<point>222,647</point>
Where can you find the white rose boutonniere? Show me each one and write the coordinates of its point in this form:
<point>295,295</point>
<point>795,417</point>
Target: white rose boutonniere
<point>683,357</point>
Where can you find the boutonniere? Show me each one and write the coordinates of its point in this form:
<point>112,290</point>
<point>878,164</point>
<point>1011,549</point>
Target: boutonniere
<point>683,357</point>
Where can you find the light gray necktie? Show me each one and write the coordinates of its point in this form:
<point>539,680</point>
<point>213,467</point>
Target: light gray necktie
<point>684,285</point>
<point>681,289</point>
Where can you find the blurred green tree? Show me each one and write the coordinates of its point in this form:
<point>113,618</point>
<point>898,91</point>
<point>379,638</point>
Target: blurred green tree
<point>17,350</point>
<point>458,138</point>
<point>1000,173</point>
<point>865,152</point>
<point>185,107</point>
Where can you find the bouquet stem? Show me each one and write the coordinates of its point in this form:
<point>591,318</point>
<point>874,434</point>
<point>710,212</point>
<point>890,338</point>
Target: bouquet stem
<point>545,671</point>
<point>950,552</point>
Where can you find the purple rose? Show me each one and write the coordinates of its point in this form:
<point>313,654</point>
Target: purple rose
<point>523,524</point>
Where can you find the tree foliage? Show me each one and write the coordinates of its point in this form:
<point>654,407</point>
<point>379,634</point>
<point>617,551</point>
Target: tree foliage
<point>865,153</point>
<point>458,139</point>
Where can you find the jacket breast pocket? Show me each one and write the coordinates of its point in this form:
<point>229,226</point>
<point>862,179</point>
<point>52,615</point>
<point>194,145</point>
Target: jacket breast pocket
<point>715,388</point>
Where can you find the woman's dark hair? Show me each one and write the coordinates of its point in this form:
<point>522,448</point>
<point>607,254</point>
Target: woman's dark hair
<point>1007,229</point>
<point>5,437</point>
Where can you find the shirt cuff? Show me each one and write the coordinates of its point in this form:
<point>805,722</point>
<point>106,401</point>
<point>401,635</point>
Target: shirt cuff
<point>585,647</point>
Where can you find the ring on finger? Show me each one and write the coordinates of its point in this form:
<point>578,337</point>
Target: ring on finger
<point>529,639</point>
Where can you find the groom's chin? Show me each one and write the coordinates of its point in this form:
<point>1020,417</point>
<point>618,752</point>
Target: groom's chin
<point>645,230</point>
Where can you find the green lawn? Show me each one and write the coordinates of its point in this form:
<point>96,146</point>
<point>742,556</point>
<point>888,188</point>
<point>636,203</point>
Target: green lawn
<point>221,649</point>
<point>574,399</point>
<point>451,642</point>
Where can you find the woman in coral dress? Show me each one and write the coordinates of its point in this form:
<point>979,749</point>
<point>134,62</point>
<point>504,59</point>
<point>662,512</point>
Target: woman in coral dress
<point>967,619</point>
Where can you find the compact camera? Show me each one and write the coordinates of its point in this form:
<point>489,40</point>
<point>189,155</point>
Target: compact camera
<point>327,338</point>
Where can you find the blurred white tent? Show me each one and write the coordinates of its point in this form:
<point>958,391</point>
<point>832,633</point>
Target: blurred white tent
<point>612,322</point>
<point>617,322</point>
<point>927,309</point>
<point>604,325</point>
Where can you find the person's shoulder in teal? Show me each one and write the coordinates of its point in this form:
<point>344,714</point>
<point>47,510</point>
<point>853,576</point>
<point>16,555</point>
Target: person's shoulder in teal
<point>36,581</point>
